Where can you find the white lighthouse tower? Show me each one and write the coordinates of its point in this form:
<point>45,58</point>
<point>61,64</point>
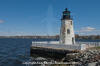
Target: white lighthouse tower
<point>67,36</point>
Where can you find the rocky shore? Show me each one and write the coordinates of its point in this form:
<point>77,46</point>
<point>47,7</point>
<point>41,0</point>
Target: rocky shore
<point>90,57</point>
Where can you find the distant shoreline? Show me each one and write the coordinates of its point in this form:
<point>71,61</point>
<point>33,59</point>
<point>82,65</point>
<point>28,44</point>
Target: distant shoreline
<point>92,37</point>
<point>34,37</point>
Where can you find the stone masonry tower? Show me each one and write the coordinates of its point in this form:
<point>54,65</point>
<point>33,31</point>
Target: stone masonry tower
<point>67,36</point>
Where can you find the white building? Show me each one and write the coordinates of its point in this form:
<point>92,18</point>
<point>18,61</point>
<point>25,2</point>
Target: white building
<point>67,36</point>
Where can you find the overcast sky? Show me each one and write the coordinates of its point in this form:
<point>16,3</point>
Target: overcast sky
<point>42,17</point>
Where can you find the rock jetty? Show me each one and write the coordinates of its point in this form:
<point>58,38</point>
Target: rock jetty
<point>85,58</point>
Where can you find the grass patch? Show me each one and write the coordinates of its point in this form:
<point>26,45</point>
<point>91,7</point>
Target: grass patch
<point>95,47</point>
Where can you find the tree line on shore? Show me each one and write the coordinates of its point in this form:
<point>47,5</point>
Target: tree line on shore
<point>93,37</point>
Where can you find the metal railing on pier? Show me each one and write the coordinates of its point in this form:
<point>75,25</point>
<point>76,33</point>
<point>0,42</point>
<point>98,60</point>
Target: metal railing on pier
<point>56,45</point>
<point>95,44</point>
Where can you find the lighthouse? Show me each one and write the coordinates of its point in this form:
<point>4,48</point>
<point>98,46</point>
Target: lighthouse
<point>66,44</point>
<point>67,36</point>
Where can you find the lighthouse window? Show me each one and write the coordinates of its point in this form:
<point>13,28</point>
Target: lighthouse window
<point>71,22</point>
<point>73,40</point>
<point>68,31</point>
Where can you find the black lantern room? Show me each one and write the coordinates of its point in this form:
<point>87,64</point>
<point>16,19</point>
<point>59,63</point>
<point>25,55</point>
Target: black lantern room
<point>66,14</point>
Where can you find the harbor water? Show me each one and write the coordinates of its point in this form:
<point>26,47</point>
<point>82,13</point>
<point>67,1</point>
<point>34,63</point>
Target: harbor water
<point>13,52</point>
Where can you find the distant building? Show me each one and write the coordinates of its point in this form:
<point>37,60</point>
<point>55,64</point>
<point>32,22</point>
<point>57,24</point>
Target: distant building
<point>67,36</point>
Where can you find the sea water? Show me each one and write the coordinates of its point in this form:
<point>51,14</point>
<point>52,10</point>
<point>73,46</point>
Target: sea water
<point>13,52</point>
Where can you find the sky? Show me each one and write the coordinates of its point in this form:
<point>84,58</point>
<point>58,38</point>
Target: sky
<point>43,17</point>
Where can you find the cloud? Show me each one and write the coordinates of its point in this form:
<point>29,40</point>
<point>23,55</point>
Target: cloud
<point>87,29</point>
<point>2,21</point>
